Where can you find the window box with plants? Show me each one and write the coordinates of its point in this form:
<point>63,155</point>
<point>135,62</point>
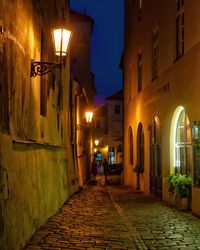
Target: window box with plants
<point>180,186</point>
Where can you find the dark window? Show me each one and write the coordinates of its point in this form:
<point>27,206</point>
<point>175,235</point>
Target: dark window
<point>139,71</point>
<point>98,124</point>
<point>180,34</point>
<point>155,52</point>
<point>117,109</point>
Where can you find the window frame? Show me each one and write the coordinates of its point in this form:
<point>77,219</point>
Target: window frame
<point>183,144</point>
<point>139,71</point>
<point>155,53</point>
<point>180,28</point>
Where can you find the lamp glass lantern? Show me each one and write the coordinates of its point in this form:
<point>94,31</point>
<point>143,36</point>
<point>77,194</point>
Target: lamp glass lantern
<point>61,39</point>
<point>96,142</point>
<point>88,116</point>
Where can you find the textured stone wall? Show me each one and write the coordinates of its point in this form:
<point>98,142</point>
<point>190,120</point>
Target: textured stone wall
<point>36,165</point>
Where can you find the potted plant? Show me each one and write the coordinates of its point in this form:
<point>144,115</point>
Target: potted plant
<point>180,186</point>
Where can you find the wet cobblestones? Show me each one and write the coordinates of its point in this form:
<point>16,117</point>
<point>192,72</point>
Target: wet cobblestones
<point>113,217</point>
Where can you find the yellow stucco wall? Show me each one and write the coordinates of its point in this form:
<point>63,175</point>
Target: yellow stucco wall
<point>36,166</point>
<point>177,83</point>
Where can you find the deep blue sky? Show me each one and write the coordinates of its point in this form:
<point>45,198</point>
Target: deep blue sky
<point>107,41</point>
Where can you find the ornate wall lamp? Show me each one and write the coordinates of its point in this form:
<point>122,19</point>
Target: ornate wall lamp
<point>88,116</point>
<point>61,39</point>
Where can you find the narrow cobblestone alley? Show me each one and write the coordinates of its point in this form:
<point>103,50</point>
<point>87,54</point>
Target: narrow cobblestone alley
<point>113,217</point>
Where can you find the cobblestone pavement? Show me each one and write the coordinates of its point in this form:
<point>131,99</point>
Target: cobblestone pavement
<point>113,217</point>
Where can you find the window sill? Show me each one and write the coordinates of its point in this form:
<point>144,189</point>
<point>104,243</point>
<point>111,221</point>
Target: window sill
<point>178,58</point>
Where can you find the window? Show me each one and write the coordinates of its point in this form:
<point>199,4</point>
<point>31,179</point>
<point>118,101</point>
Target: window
<point>155,52</point>
<point>139,73</point>
<point>179,28</point>
<point>130,146</point>
<point>183,147</point>
<point>117,109</point>
<point>98,124</point>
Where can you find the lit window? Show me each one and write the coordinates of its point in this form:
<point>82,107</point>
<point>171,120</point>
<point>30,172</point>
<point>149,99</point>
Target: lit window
<point>182,145</point>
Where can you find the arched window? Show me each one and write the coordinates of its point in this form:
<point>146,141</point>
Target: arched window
<point>182,142</point>
<point>130,146</point>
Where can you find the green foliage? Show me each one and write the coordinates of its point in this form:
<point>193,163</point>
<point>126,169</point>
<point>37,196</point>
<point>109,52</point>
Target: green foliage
<point>180,185</point>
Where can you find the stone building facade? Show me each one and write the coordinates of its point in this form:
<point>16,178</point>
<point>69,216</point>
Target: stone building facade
<point>115,126</point>
<point>36,163</point>
<point>161,95</point>
<point>84,91</point>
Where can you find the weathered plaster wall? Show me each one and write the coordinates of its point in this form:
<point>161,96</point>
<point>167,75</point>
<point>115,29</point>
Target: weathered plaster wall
<point>36,165</point>
<point>37,186</point>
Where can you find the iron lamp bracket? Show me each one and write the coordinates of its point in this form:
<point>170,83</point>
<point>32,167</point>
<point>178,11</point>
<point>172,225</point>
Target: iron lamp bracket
<point>43,68</point>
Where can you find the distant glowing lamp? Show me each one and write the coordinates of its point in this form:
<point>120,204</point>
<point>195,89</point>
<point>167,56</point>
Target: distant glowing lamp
<point>88,116</point>
<point>95,150</point>
<point>96,142</point>
<point>107,148</point>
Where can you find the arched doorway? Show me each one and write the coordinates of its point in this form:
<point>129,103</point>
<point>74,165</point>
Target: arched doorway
<point>140,154</point>
<point>155,159</point>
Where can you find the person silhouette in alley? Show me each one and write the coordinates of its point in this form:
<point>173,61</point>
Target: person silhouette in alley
<point>105,170</point>
<point>94,169</point>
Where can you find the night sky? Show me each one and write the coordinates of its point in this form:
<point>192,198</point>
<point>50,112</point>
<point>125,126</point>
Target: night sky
<point>107,42</point>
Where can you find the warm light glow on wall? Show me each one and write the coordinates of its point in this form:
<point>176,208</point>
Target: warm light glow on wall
<point>61,41</point>
<point>95,150</point>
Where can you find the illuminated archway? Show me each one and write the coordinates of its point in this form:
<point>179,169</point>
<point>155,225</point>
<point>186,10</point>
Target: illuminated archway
<point>180,142</point>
